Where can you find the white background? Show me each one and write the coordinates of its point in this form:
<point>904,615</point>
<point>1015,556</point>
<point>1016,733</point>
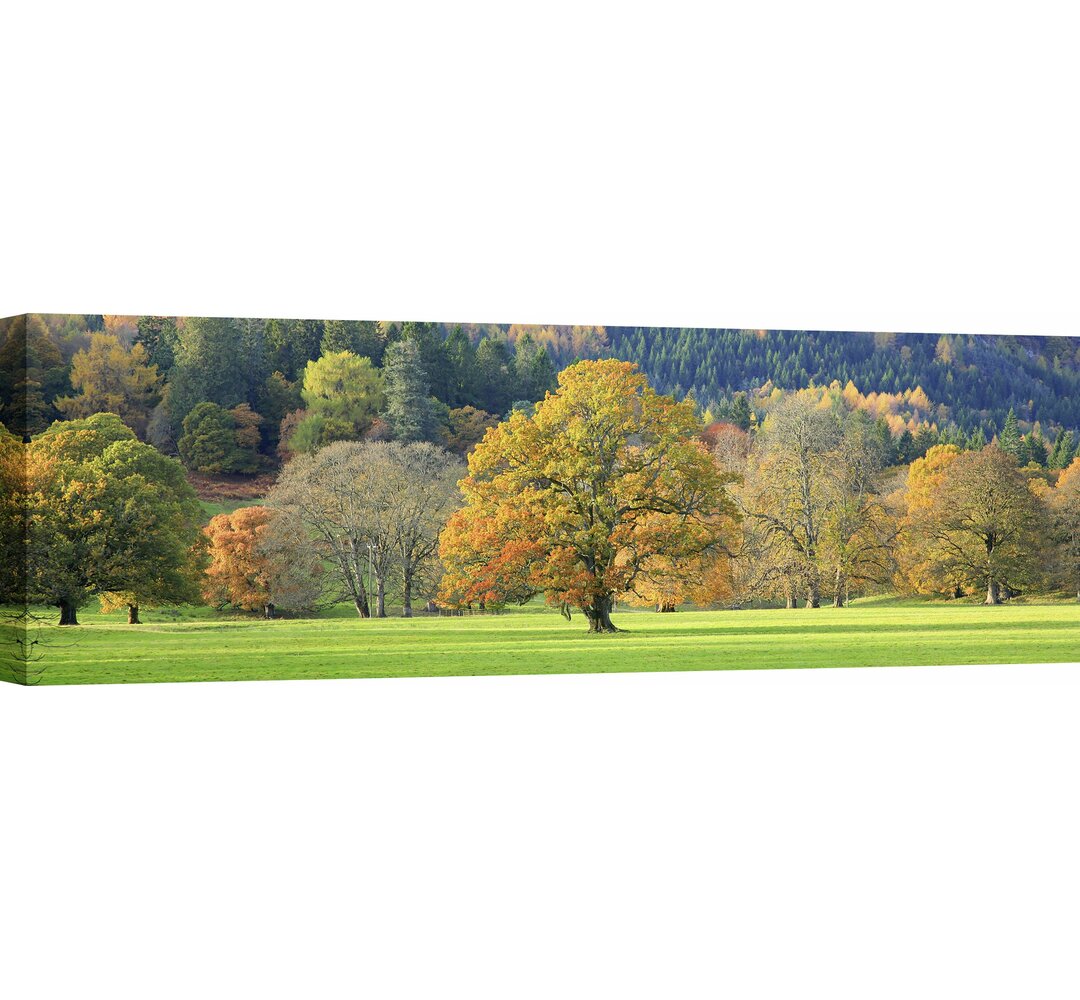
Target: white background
<point>874,833</point>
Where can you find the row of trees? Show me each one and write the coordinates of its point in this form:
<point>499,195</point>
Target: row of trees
<point>906,424</point>
<point>155,370</point>
<point>90,511</point>
<point>591,500</point>
<point>604,491</point>
<point>422,382</point>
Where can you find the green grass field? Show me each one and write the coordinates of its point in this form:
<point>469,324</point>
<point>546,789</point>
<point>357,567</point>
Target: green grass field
<point>198,645</point>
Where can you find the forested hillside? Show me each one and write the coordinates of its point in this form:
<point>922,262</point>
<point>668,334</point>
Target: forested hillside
<point>978,379</point>
<point>240,395</point>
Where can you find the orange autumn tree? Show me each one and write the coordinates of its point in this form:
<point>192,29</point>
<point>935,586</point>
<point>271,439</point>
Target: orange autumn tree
<point>586,499</point>
<point>261,559</point>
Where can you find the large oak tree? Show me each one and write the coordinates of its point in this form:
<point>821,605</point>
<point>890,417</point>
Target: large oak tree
<point>108,515</point>
<point>586,498</point>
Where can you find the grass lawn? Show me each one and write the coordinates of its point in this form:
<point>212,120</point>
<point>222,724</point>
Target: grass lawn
<point>198,645</point>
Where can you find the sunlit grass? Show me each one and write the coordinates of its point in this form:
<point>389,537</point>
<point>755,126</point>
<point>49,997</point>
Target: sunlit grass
<point>199,644</point>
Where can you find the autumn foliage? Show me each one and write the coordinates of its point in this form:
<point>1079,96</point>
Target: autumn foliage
<point>260,560</point>
<point>604,491</point>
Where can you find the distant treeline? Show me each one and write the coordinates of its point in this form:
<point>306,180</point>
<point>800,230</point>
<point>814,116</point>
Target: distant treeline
<point>240,395</point>
<point>977,379</point>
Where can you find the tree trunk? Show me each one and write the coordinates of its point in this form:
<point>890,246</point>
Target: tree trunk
<point>993,595</point>
<point>431,606</point>
<point>406,598</point>
<point>67,613</point>
<point>380,598</point>
<point>813,595</point>
<point>665,607</point>
<point>599,616</point>
<point>792,601</point>
<point>133,614</point>
<point>362,608</point>
<point>839,590</point>
<point>268,611</point>
<point>957,592</point>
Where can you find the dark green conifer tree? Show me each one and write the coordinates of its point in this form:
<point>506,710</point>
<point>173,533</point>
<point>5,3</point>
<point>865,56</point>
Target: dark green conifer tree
<point>408,403</point>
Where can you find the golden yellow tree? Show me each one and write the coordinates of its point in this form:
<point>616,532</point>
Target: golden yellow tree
<point>922,562</point>
<point>984,525</point>
<point>1064,503</point>
<point>111,378</point>
<point>586,497</point>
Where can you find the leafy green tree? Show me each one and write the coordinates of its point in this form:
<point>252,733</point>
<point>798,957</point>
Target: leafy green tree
<point>214,439</point>
<point>886,446</point>
<point>408,406</point>
<point>107,516</point>
<point>158,560</point>
<point>254,358</point>
<point>343,394</point>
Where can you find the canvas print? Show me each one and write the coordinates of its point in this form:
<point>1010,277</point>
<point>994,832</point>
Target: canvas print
<point>208,498</point>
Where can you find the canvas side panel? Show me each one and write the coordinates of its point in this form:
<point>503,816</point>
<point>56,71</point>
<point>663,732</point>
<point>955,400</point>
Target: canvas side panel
<point>16,651</point>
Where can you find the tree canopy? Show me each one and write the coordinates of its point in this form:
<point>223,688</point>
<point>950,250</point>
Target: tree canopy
<point>583,498</point>
<point>108,515</point>
<point>261,559</point>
